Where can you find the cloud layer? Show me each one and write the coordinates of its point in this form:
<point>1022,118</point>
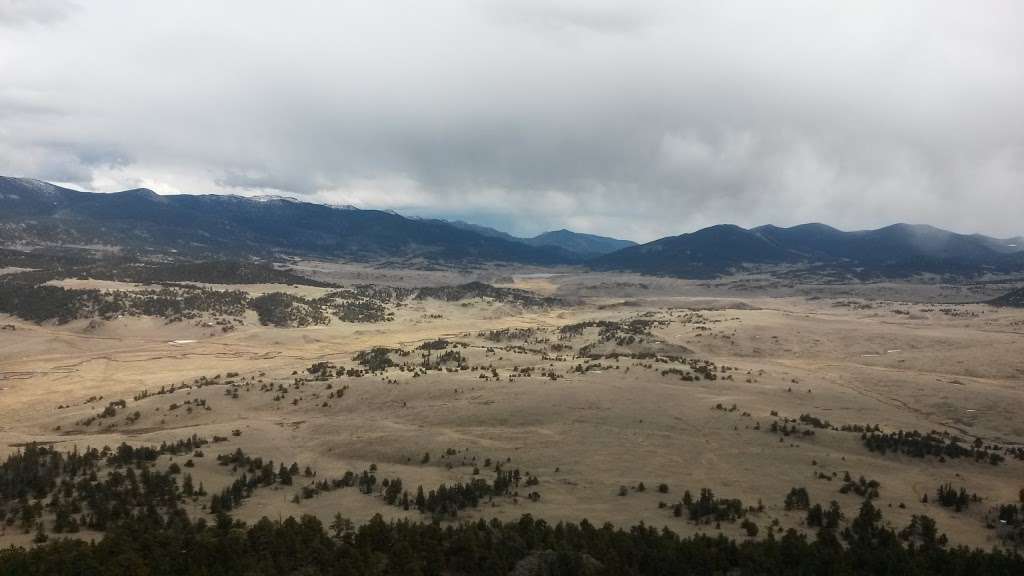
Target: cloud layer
<point>633,119</point>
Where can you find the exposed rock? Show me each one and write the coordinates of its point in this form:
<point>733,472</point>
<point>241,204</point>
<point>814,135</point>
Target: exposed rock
<point>549,562</point>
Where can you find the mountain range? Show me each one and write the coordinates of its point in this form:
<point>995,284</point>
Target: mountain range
<point>899,250</point>
<point>36,213</point>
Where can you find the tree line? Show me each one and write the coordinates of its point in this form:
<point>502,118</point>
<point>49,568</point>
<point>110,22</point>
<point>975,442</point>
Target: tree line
<point>302,546</point>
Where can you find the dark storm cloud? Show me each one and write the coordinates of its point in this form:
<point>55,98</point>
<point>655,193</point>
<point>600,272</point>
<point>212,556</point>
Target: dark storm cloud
<point>636,119</point>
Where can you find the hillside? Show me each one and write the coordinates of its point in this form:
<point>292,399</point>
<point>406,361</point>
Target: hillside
<point>899,250</point>
<point>39,214</point>
<point>1014,299</point>
<point>579,244</point>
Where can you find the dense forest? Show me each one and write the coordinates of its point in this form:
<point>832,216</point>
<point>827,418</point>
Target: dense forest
<point>303,546</point>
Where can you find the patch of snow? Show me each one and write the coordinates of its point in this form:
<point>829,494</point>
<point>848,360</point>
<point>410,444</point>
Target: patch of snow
<point>44,188</point>
<point>275,198</point>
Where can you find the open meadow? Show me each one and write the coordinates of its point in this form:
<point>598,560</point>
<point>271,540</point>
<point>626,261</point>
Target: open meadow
<point>606,397</point>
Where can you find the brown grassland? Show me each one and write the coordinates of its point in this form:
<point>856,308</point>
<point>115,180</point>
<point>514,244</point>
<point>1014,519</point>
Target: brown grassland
<point>899,356</point>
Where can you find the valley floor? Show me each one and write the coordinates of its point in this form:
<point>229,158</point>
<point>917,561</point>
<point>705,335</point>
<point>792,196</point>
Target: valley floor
<point>647,412</point>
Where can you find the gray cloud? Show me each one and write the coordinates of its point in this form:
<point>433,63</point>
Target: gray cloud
<point>616,18</point>
<point>636,119</point>
<point>18,12</point>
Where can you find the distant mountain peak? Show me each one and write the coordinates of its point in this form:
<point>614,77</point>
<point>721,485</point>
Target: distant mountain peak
<point>587,245</point>
<point>38,186</point>
<point>577,243</point>
<point>143,193</point>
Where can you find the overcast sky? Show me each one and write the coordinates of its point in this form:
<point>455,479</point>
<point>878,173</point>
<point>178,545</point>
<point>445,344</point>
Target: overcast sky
<point>633,119</point>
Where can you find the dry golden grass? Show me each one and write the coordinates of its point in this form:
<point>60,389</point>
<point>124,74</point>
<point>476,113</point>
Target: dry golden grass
<point>584,435</point>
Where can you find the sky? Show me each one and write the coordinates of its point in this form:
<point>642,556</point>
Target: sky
<point>636,119</point>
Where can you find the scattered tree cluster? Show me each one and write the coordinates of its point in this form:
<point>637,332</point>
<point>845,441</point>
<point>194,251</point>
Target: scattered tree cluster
<point>707,508</point>
<point>868,489</point>
<point>480,290</point>
<point>940,445</point>
<point>951,497</point>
